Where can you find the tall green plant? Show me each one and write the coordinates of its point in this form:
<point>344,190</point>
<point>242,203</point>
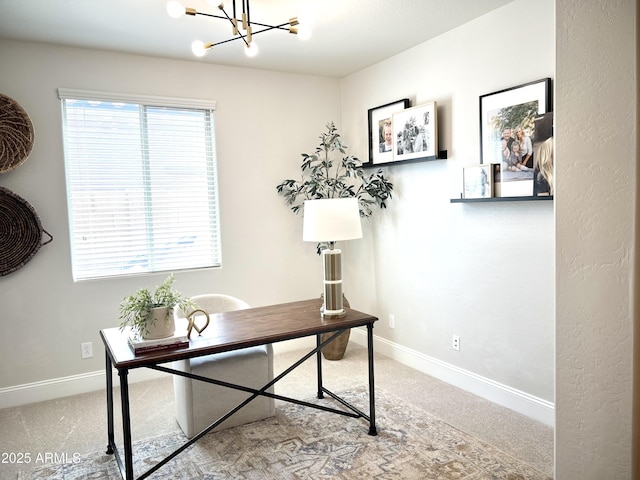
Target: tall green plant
<point>322,176</point>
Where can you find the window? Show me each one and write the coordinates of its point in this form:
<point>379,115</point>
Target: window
<point>141,184</point>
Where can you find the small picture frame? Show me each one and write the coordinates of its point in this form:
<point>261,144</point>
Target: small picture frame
<point>478,181</point>
<point>381,131</point>
<point>415,133</point>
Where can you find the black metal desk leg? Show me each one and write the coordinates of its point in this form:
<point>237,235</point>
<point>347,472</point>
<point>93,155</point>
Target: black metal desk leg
<point>126,423</point>
<point>110,436</point>
<point>319,361</point>
<point>372,389</point>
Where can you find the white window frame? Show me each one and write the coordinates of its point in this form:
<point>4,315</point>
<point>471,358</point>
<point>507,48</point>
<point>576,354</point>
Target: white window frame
<point>177,226</point>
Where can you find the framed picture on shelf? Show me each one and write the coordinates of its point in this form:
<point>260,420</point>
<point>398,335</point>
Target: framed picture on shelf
<point>477,181</point>
<point>415,133</point>
<point>507,131</point>
<point>503,111</point>
<point>381,131</point>
<point>543,156</point>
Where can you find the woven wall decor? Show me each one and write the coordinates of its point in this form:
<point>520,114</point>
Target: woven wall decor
<point>20,232</point>
<point>16,134</point>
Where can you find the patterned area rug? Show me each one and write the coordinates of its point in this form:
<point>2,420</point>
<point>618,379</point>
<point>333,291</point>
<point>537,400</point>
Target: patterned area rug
<point>303,443</point>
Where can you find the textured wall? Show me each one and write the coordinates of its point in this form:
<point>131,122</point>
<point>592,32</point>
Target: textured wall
<point>636,331</point>
<point>595,165</point>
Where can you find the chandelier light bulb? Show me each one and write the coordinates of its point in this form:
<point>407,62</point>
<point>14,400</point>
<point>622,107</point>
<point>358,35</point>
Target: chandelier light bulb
<point>304,31</point>
<point>197,47</point>
<point>175,9</point>
<point>251,50</point>
<point>306,17</point>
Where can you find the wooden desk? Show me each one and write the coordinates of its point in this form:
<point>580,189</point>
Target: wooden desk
<point>231,331</point>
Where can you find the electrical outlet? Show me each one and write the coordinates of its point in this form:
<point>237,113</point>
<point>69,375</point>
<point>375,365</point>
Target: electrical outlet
<point>87,349</point>
<point>455,342</point>
<point>392,321</point>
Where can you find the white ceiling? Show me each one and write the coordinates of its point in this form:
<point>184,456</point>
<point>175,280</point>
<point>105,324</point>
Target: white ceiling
<point>348,35</point>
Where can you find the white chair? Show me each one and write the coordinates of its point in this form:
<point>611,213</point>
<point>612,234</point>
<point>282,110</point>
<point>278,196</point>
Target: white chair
<point>199,404</point>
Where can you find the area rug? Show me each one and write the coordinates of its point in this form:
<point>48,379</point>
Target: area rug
<point>303,443</point>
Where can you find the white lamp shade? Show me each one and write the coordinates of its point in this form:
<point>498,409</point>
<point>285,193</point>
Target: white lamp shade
<point>331,220</point>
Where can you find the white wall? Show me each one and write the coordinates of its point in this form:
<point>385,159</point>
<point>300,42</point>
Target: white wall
<point>264,120</point>
<point>482,271</point>
<point>596,138</point>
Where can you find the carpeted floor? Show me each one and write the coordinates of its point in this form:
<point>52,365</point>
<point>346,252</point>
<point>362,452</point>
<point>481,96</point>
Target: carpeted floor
<point>302,443</point>
<point>75,427</point>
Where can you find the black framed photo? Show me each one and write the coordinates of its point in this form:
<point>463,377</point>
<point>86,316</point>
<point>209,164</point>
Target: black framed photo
<point>381,131</point>
<point>478,181</point>
<point>415,133</point>
<point>502,112</point>
<point>507,129</point>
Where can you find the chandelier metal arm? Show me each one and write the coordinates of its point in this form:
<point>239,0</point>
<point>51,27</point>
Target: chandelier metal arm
<point>270,27</point>
<point>233,39</point>
<point>195,12</point>
<point>282,26</point>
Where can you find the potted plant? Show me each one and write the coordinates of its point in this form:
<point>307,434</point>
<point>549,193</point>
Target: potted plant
<point>323,176</point>
<point>151,316</point>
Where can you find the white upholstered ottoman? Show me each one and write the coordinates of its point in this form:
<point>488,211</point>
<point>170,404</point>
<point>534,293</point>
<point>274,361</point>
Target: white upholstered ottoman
<point>199,404</point>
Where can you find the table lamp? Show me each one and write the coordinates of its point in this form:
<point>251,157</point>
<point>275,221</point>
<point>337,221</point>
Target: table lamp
<point>332,220</point>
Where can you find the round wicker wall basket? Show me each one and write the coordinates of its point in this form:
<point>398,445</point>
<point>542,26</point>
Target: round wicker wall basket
<point>16,134</point>
<point>21,233</point>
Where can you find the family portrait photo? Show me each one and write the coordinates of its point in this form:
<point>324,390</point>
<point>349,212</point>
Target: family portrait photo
<point>508,122</point>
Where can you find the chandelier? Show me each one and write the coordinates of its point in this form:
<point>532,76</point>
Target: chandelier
<point>241,28</point>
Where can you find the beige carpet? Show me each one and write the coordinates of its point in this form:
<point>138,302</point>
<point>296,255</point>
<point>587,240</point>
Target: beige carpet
<point>303,443</point>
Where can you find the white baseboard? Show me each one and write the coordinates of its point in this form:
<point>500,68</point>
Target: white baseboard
<point>521,402</point>
<point>66,386</point>
<point>295,344</point>
<point>92,381</point>
<point>516,400</point>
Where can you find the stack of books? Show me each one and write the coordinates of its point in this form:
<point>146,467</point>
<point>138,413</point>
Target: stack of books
<point>140,346</point>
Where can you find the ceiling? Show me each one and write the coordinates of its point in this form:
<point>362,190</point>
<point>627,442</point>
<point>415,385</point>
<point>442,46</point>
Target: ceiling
<point>348,35</point>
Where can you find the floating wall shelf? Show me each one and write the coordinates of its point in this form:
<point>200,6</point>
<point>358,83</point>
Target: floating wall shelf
<point>442,155</point>
<point>500,199</point>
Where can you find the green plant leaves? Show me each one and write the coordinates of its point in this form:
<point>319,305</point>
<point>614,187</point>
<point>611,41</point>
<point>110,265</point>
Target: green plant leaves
<point>135,309</point>
<point>324,177</point>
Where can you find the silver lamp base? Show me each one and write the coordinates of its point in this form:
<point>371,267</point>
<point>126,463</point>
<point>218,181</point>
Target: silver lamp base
<point>332,264</point>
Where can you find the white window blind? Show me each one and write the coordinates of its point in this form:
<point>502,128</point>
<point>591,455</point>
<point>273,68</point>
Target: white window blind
<point>141,184</point>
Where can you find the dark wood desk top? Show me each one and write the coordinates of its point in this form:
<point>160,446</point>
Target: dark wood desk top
<point>238,329</point>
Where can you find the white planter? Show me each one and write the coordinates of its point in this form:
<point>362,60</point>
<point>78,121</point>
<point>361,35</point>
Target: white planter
<point>162,324</point>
